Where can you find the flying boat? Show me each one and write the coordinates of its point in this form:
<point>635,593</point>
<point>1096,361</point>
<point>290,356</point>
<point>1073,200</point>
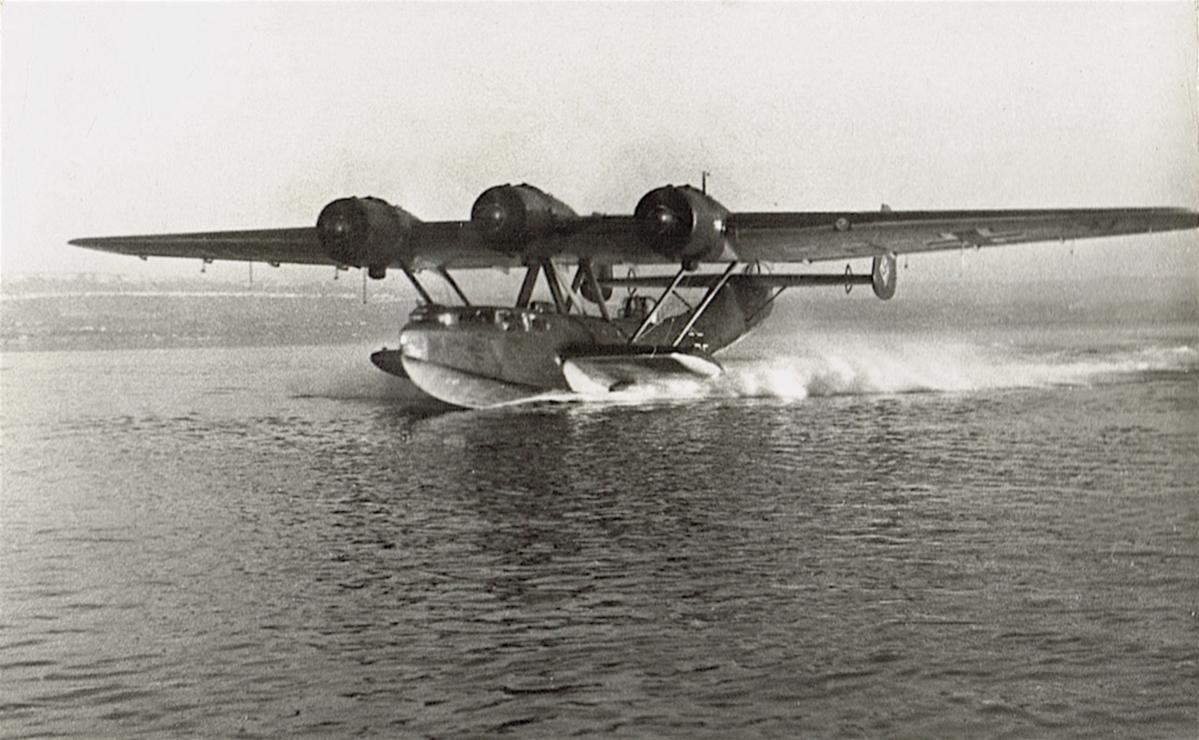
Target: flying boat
<point>476,356</point>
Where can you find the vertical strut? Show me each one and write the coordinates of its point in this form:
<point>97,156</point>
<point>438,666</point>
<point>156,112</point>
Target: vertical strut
<point>593,285</point>
<point>707,301</point>
<point>561,301</point>
<point>573,299</point>
<point>445,274</point>
<point>416,284</point>
<point>526,288</point>
<point>678,278</point>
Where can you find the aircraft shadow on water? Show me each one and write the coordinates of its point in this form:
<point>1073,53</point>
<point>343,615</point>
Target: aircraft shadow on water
<point>479,356</point>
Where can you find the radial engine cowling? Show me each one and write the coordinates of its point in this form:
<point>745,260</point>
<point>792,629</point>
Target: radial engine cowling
<point>682,223</point>
<point>518,218</point>
<point>366,232</point>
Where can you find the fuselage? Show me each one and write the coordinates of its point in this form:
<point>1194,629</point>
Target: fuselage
<point>478,356</point>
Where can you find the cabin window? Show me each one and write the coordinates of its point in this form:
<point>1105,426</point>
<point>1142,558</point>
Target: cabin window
<point>507,321</point>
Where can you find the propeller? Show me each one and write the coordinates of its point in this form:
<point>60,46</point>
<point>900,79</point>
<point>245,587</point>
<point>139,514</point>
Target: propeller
<point>665,220</point>
<point>342,228</point>
<point>499,214</point>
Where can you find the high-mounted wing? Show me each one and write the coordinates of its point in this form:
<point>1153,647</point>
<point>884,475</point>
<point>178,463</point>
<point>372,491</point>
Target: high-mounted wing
<point>429,245</point>
<point>792,237</point>
<point>690,226</point>
<point>511,225</point>
<point>299,245</point>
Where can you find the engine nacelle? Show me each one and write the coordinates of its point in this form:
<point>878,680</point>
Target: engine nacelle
<point>514,218</point>
<point>682,223</point>
<point>366,232</point>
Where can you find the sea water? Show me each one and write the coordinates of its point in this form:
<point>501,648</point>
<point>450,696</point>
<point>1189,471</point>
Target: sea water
<point>859,530</point>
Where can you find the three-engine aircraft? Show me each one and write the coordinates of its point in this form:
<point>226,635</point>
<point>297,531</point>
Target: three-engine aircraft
<point>476,356</point>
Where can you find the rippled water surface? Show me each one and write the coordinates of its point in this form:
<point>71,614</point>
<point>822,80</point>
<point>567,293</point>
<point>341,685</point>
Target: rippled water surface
<point>915,537</point>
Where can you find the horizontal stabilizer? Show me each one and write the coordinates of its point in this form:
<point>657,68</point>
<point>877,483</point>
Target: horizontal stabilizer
<point>608,371</point>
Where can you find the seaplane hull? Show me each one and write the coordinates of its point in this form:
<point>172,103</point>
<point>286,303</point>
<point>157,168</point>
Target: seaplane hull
<point>480,356</point>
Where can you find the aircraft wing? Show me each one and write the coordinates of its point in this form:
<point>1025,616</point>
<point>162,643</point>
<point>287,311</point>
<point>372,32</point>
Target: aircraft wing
<point>453,244</point>
<point>794,237</point>
<point>769,237</point>
<point>434,244</point>
<point>298,245</point>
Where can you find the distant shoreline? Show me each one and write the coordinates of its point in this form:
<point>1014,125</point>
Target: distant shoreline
<point>154,316</point>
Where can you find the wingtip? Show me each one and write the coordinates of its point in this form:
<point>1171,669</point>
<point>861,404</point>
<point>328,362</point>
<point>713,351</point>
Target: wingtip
<point>91,242</point>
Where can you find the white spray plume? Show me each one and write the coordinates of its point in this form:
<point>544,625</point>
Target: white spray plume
<point>860,366</point>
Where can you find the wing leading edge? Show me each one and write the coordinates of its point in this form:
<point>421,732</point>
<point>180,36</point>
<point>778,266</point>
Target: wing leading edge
<point>433,244</point>
<point>792,237</point>
<point>749,236</point>
<point>299,245</point>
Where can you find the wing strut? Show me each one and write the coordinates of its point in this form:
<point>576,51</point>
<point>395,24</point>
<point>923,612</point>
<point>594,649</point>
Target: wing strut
<point>649,317</point>
<point>707,301</point>
<point>572,290</point>
<point>445,275</point>
<point>593,285</point>
<point>525,296</point>
<point>419,288</point>
<point>562,299</point>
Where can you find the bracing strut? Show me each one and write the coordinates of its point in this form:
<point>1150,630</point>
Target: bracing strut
<point>419,288</point>
<point>562,300</point>
<point>707,301</point>
<point>585,273</point>
<point>526,288</point>
<point>678,278</point>
<point>445,275</point>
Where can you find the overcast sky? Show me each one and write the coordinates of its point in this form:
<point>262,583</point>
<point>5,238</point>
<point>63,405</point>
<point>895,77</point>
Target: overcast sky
<point>136,118</point>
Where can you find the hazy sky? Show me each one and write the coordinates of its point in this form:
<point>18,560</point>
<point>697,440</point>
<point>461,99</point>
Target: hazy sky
<point>137,118</point>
